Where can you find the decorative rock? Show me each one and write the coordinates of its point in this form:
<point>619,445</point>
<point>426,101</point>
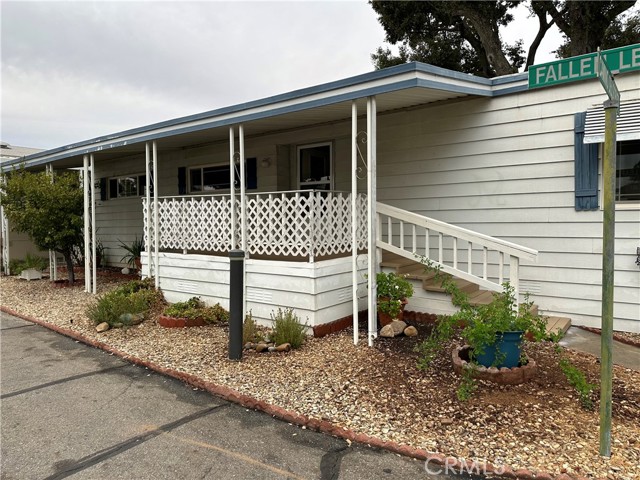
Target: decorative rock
<point>285,347</point>
<point>271,349</point>
<point>262,347</point>
<point>411,331</point>
<point>125,271</point>
<point>249,346</point>
<point>398,327</point>
<point>103,327</point>
<point>131,318</point>
<point>387,331</point>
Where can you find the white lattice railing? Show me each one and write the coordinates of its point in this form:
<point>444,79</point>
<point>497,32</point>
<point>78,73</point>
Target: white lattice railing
<point>463,253</point>
<point>305,223</point>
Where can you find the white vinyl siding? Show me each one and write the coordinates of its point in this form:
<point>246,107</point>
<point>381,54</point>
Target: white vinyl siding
<point>505,167</point>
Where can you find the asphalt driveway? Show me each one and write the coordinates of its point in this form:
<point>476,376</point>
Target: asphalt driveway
<point>69,410</point>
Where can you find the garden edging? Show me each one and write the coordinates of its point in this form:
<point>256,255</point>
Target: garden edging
<point>459,464</point>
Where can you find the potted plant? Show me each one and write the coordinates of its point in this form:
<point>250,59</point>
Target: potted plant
<point>495,331</point>
<point>134,251</point>
<point>393,290</point>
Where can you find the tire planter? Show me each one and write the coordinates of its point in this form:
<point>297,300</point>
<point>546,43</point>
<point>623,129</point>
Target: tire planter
<point>171,322</point>
<point>508,344</point>
<point>500,376</point>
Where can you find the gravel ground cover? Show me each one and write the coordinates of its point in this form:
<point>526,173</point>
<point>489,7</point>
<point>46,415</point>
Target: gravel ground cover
<point>379,391</point>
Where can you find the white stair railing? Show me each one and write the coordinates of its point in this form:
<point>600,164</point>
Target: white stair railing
<point>413,236</point>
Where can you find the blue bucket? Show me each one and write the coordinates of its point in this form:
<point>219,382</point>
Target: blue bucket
<point>508,344</point>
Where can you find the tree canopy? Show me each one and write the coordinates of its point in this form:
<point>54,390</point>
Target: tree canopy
<point>49,211</point>
<point>465,35</point>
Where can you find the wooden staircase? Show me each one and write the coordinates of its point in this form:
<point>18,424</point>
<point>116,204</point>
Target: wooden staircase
<point>477,296</point>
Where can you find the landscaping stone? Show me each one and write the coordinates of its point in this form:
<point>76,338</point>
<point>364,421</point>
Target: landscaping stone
<point>103,327</point>
<point>262,347</point>
<point>285,347</point>
<point>387,331</point>
<point>398,327</point>
<point>411,331</point>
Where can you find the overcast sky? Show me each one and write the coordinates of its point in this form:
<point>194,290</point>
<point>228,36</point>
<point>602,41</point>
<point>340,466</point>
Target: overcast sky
<point>76,70</point>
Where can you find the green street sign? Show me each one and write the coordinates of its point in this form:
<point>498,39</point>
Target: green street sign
<point>583,67</point>
<point>606,79</point>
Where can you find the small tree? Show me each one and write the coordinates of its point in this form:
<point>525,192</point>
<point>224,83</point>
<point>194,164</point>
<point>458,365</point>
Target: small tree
<point>50,212</point>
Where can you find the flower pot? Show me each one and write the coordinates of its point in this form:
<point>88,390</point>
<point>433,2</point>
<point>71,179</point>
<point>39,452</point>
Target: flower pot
<point>508,345</point>
<point>386,319</point>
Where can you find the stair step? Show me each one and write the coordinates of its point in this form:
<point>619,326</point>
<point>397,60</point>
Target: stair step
<point>557,324</point>
<point>430,284</point>
<point>414,270</point>
<point>480,297</point>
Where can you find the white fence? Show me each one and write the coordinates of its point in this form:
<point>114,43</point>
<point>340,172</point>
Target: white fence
<point>305,223</point>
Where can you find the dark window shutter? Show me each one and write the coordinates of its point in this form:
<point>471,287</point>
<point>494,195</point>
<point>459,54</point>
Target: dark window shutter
<point>113,188</point>
<point>252,173</point>
<point>586,167</point>
<point>103,189</point>
<point>182,180</point>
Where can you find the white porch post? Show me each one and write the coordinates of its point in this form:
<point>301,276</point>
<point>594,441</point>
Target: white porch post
<point>232,188</point>
<point>371,218</point>
<point>243,213</point>
<point>85,186</point>
<point>147,172</point>
<point>92,194</point>
<point>243,191</point>
<point>156,219</point>
<point>4,226</point>
<point>354,218</point>
<point>53,261</point>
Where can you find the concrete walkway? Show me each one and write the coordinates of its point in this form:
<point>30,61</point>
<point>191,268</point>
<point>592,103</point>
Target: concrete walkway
<point>583,341</point>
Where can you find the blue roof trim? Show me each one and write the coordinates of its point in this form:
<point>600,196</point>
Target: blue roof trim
<point>516,77</point>
<point>98,143</point>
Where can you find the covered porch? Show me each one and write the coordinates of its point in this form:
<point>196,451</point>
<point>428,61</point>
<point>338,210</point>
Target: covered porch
<point>312,241</point>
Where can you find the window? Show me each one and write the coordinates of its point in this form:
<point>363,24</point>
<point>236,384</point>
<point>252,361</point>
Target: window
<point>209,178</point>
<point>129,186</point>
<point>314,166</point>
<point>628,171</point>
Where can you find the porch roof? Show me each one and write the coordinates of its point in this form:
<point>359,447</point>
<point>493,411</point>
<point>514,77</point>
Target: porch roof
<point>396,87</point>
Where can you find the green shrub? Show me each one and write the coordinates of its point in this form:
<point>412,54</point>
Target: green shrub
<point>113,304</point>
<point>287,328</point>
<point>578,380</point>
<point>195,308</point>
<point>30,261</point>
<point>135,297</point>
<point>136,285</point>
<point>250,331</point>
